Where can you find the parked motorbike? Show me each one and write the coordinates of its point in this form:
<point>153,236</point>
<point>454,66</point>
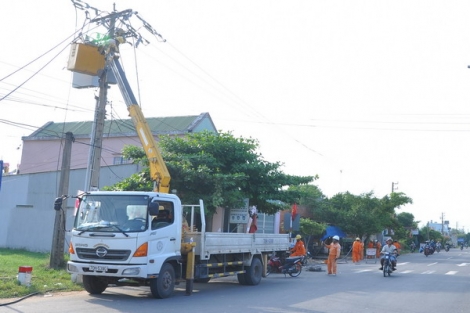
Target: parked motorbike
<point>291,265</point>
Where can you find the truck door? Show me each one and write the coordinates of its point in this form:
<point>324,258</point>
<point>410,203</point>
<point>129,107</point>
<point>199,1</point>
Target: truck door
<point>163,241</point>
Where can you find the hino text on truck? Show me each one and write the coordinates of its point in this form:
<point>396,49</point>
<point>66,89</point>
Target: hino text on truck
<point>150,238</point>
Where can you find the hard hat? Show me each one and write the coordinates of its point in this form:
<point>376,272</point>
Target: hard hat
<point>389,239</point>
<point>358,238</point>
<point>298,237</point>
<point>335,237</point>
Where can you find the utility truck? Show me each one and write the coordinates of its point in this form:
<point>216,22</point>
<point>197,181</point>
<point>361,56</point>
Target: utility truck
<point>150,238</point>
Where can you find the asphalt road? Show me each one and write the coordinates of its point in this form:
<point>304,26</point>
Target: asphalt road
<point>438,283</point>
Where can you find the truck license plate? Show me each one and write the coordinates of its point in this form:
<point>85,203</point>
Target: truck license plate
<point>98,268</point>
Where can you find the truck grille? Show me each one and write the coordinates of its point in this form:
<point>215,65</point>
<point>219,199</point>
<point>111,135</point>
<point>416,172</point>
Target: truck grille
<point>101,253</point>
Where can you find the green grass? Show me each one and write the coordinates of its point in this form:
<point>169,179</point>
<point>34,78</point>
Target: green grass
<point>43,278</point>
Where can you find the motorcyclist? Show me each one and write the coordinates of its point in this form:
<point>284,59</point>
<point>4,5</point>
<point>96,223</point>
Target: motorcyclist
<point>299,248</point>
<point>447,246</point>
<point>390,248</point>
<point>413,246</point>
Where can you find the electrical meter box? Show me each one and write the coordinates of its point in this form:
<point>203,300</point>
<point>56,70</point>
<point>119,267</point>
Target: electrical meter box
<point>85,59</point>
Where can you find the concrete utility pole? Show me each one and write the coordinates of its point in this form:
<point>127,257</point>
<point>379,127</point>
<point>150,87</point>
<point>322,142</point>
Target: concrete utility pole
<point>58,239</point>
<point>109,21</point>
<point>96,143</point>
<point>442,223</point>
<point>394,187</point>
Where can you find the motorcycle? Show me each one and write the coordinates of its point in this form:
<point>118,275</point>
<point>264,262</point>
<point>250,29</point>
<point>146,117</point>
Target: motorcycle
<point>291,265</point>
<point>438,249</point>
<point>461,247</point>
<point>428,249</point>
<point>412,248</point>
<point>447,248</point>
<point>305,259</point>
<point>387,267</point>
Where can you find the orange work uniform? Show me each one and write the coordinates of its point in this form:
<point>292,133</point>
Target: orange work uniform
<point>379,249</point>
<point>334,253</point>
<point>298,249</point>
<point>356,251</point>
<point>398,246</point>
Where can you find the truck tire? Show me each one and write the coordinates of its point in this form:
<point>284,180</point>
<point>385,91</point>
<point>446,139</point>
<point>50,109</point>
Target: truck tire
<point>254,272</point>
<point>163,286</point>
<point>242,279</point>
<point>94,285</point>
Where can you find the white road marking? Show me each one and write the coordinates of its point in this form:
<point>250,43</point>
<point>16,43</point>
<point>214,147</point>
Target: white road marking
<point>406,272</point>
<point>428,272</point>
<point>430,264</point>
<point>451,273</point>
<point>462,264</point>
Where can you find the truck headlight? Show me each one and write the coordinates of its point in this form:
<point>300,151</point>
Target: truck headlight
<point>72,268</point>
<point>131,271</point>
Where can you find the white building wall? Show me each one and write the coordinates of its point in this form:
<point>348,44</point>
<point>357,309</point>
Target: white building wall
<point>27,213</point>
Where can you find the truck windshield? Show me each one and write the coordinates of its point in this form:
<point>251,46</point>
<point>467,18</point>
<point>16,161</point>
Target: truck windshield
<point>112,213</point>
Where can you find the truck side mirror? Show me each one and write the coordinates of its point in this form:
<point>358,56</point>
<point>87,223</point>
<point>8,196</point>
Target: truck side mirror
<point>58,204</point>
<point>154,208</point>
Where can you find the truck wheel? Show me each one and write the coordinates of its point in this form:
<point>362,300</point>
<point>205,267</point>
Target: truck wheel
<point>94,285</point>
<point>242,279</point>
<point>163,286</point>
<point>254,272</point>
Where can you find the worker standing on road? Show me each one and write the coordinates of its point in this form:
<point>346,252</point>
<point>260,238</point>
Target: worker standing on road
<point>357,249</point>
<point>333,255</point>
<point>362,251</point>
<point>378,248</point>
<point>398,246</point>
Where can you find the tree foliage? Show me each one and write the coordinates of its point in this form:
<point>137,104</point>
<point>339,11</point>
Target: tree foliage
<point>310,228</point>
<point>224,170</point>
<point>357,215</point>
<point>220,169</point>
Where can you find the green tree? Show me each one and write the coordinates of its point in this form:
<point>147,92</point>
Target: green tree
<point>363,215</point>
<point>220,169</point>
<point>310,229</point>
<point>427,233</point>
<point>406,223</point>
